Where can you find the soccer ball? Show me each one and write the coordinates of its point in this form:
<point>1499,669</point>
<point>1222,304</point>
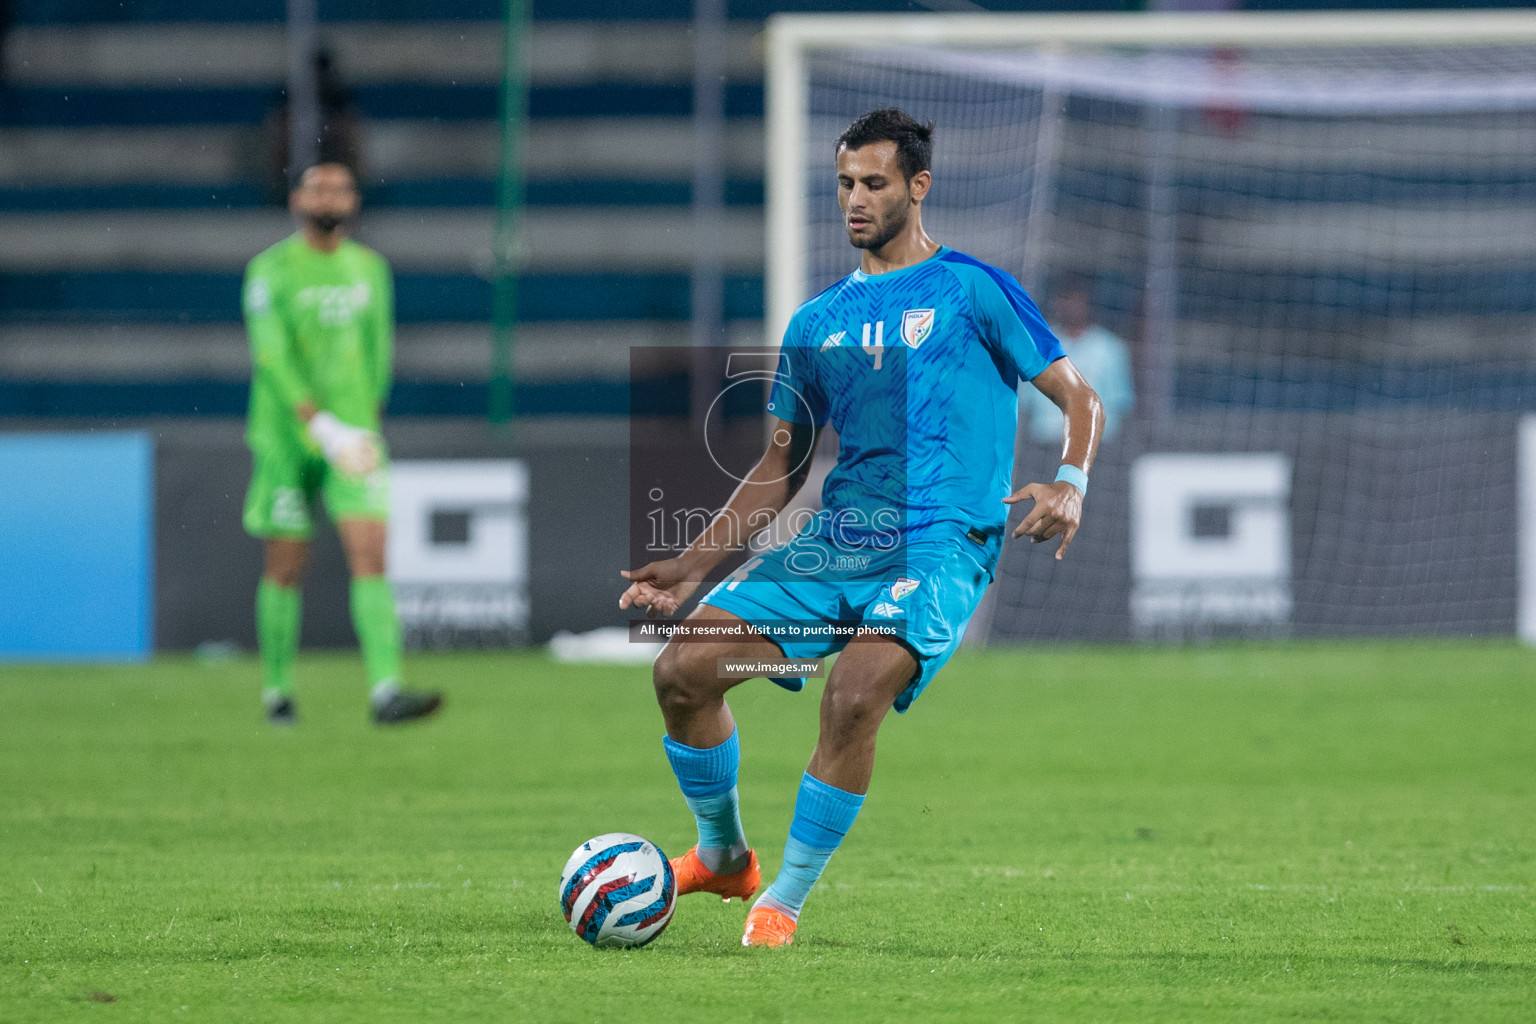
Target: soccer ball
<point>618,890</point>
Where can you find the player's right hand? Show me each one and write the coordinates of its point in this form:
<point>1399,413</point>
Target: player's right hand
<point>352,450</point>
<point>659,587</point>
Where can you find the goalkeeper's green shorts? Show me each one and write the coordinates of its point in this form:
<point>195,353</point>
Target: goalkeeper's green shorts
<point>285,484</point>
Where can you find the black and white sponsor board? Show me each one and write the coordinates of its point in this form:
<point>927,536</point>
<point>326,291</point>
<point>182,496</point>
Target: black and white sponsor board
<point>1400,522</point>
<point>458,551</point>
<point>1210,544</point>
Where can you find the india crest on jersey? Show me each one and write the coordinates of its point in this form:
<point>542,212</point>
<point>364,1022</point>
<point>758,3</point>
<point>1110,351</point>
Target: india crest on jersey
<point>916,325</point>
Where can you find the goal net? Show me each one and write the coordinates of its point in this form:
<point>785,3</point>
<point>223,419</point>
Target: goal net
<point>1314,238</point>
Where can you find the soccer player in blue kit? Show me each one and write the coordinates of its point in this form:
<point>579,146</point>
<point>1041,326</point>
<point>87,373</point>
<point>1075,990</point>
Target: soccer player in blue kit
<point>915,359</point>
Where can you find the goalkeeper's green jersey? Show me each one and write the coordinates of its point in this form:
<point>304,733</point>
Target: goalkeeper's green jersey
<point>322,328</point>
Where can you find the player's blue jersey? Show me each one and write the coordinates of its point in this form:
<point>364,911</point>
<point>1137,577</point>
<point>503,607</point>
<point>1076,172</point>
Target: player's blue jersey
<point>917,370</point>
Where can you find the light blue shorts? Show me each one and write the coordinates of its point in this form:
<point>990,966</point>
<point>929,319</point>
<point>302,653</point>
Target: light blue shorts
<point>811,594</point>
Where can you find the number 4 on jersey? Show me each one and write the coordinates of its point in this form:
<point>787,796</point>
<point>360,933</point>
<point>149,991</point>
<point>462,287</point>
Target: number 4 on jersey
<point>878,348</point>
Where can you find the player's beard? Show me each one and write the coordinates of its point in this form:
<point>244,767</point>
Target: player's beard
<point>326,223</point>
<point>888,229</point>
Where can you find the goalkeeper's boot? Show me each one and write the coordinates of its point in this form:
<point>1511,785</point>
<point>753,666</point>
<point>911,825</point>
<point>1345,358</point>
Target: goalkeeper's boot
<point>406,706</point>
<point>282,711</point>
<point>693,876</point>
<point>767,926</point>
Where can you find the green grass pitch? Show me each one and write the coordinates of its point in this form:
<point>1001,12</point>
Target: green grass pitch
<point>1313,832</point>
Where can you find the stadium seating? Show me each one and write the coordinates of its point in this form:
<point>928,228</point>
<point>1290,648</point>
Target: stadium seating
<point>135,174</point>
<point>133,158</point>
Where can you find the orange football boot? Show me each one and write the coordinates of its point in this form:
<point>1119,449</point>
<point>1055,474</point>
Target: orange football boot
<point>768,927</point>
<point>693,876</point>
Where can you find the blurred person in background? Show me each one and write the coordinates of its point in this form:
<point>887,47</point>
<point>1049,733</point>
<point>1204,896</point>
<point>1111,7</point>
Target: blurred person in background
<point>1100,355</point>
<point>319,309</point>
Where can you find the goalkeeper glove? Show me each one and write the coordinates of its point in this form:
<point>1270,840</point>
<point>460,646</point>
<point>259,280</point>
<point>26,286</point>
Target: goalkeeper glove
<point>352,450</point>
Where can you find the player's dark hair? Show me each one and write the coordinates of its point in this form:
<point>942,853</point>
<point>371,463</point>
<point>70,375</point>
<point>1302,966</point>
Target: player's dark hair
<point>914,141</point>
<point>1073,282</point>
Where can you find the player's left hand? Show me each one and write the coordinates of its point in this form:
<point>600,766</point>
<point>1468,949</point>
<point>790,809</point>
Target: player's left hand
<point>359,458</point>
<point>1057,512</point>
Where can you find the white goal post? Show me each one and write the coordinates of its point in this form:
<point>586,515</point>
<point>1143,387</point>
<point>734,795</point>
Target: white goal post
<point>791,37</point>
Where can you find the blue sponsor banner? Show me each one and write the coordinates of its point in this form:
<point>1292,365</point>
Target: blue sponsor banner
<point>76,546</point>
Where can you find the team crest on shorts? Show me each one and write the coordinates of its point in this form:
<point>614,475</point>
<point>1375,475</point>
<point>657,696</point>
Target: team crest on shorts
<point>917,325</point>
<point>289,510</point>
<point>902,587</point>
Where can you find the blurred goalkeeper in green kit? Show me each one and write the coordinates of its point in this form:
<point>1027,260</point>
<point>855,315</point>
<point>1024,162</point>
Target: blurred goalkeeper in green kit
<point>319,309</point>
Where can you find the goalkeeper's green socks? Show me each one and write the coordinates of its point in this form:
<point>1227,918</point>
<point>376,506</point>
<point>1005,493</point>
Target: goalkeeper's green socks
<point>378,633</point>
<point>277,632</point>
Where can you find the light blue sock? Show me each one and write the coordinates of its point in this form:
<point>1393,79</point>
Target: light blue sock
<point>708,780</point>
<point>823,815</point>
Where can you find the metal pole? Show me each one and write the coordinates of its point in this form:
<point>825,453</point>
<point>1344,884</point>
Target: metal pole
<point>1037,233</point>
<point>509,208</point>
<point>303,89</point>
<point>784,165</point>
<point>1162,280</point>
<point>1032,273</point>
<point>708,278</point>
